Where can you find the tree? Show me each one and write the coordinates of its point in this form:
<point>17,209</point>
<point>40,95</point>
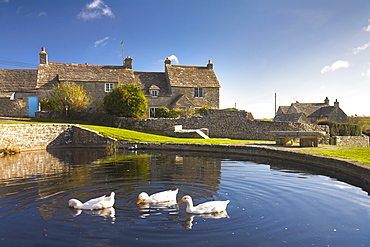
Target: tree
<point>126,101</point>
<point>69,95</point>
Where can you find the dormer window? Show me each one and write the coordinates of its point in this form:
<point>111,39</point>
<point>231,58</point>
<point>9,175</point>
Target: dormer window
<point>108,87</point>
<point>198,92</point>
<point>154,93</point>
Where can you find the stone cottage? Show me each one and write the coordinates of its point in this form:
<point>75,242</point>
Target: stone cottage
<point>178,87</point>
<point>311,112</point>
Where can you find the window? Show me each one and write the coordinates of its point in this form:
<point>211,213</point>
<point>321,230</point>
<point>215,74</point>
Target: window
<point>108,87</point>
<point>154,93</point>
<point>152,111</point>
<point>198,92</point>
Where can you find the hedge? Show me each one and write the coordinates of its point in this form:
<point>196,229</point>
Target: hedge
<point>342,129</point>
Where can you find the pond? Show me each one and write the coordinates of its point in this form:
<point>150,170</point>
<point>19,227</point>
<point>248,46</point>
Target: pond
<point>272,202</point>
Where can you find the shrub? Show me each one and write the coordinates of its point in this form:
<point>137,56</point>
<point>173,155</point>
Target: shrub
<point>164,112</point>
<point>68,95</point>
<point>342,129</point>
<point>203,110</point>
<point>126,101</point>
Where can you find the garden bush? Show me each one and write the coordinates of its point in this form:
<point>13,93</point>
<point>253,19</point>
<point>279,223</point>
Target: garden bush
<point>342,129</point>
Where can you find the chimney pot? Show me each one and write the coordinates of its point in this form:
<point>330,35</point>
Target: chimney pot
<point>43,56</point>
<point>210,65</point>
<point>167,61</point>
<point>336,103</point>
<point>128,62</point>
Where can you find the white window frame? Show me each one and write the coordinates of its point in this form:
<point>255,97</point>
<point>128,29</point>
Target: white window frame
<point>108,87</point>
<point>154,93</point>
<point>152,111</point>
<point>198,92</point>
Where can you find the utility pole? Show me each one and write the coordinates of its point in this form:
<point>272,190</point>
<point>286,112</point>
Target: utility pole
<point>275,105</point>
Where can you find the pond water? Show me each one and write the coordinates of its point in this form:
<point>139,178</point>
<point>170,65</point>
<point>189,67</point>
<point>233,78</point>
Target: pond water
<point>272,202</point>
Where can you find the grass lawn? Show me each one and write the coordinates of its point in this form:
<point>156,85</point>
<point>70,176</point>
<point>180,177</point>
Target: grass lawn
<point>360,154</point>
<point>135,136</point>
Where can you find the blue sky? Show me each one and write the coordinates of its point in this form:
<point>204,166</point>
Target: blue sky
<point>302,50</point>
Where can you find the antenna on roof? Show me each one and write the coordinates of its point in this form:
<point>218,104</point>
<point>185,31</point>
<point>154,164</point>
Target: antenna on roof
<point>123,59</point>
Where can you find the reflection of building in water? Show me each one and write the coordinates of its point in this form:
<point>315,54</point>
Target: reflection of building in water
<point>28,164</point>
<point>66,168</point>
<point>42,162</point>
<point>185,168</point>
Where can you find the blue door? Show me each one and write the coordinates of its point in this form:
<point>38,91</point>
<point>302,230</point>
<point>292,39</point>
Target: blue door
<point>33,105</point>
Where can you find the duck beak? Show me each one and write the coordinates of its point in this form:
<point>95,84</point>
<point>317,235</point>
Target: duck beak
<point>180,202</point>
<point>139,201</point>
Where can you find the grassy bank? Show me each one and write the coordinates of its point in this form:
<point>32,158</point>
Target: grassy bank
<point>360,154</point>
<point>135,136</point>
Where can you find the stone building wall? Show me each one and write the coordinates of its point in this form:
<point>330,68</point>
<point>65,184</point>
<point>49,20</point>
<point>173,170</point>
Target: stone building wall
<point>14,108</point>
<point>211,96</point>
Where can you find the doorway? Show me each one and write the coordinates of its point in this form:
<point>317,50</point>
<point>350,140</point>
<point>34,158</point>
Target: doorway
<point>33,105</point>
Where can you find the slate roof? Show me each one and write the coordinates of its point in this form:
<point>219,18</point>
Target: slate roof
<point>292,117</point>
<point>13,80</point>
<point>282,109</point>
<point>323,111</point>
<point>153,80</point>
<point>191,76</point>
<point>53,72</point>
<point>307,108</point>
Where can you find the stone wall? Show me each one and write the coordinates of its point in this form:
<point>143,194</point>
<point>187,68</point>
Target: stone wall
<point>221,123</point>
<point>43,136</point>
<point>356,141</point>
<point>13,108</point>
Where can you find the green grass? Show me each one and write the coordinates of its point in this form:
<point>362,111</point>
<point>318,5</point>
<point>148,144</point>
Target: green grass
<point>360,154</point>
<point>135,136</point>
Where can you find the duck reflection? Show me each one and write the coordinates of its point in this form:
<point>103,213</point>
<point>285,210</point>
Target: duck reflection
<point>188,224</point>
<point>158,208</point>
<point>107,213</point>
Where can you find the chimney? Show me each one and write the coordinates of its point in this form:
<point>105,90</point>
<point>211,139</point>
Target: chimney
<point>210,65</point>
<point>326,101</point>
<point>167,61</point>
<point>128,62</point>
<point>43,56</point>
<point>336,103</point>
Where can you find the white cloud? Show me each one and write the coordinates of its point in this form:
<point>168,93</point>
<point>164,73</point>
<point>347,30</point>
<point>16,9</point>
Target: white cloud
<point>367,73</point>
<point>367,29</point>
<point>4,1</point>
<point>41,13</point>
<point>174,59</point>
<point>361,48</point>
<point>95,9</point>
<point>336,65</point>
<point>101,42</point>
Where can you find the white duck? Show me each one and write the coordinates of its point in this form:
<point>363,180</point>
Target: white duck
<point>204,208</point>
<point>160,197</point>
<point>97,203</point>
